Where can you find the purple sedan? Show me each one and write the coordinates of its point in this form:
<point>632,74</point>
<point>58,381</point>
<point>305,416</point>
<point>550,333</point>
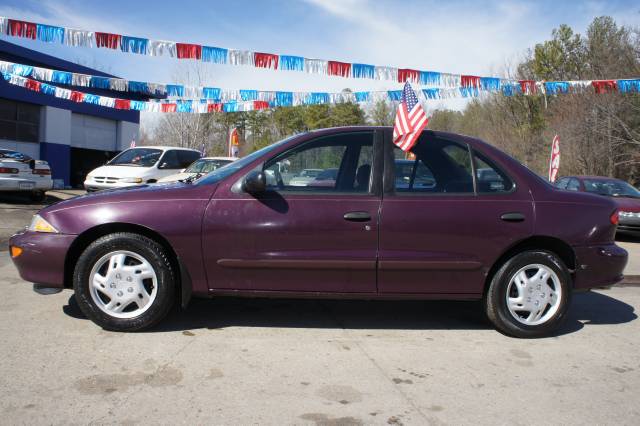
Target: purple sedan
<point>485,228</point>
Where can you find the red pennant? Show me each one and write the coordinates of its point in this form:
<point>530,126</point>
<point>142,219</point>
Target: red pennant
<point>32,85</point>
<point>169,107</point>
<point>189,51</point>
<point>215,107</point>
<point>123,104</point>
<point>260,105</point>
<point>108,40</point>
<point>265,60</point>
<point>470,81</point>
<point>342,69</point>
<point>79,97</point>
<point>605,86</point>
<point>405,74</point>
<point>528,87</point>
<point>22,29</point>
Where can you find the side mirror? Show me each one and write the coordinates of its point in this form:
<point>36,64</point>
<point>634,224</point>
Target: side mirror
<point>255,182</point>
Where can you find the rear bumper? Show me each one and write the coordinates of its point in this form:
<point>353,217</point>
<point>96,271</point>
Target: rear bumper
<point>25,185</point>
<point>599,266</point>
<point>43,257</point>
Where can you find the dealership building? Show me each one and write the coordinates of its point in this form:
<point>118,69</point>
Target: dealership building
<point>73,137</point>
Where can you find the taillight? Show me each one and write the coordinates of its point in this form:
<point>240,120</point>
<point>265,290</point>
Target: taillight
<point>615,217</point>
<point>41,172</point>
<point>9,170</point>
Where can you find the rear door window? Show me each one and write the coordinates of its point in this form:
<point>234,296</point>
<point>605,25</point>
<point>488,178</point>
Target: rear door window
<point>489,178</point>
<point>434,166</point>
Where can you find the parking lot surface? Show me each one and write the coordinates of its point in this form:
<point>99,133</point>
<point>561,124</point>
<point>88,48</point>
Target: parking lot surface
<point>242,361</point>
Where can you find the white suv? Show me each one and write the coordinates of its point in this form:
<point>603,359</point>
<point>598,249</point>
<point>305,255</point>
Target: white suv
<point>20,173</point>
<point>145,164</point>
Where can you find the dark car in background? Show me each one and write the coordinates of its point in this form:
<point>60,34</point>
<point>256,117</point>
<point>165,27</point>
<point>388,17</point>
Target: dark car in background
<point>626,197</point>
<point>522,247</point>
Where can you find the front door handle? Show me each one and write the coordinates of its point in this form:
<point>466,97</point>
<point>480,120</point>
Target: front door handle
<point>513,217</point>
<point>357,216</point>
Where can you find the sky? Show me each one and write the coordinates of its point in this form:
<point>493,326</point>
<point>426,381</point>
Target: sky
<point>456,36</point>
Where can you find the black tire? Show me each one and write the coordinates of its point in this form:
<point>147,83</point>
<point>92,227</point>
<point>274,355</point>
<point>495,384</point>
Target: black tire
<point>142,246</point>
<point>496,296</point>
<point>38,196</point>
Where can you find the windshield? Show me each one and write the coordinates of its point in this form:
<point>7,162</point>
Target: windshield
<point>612,188</point>
<point>140,157</point>
<point>206,166</point>
<point>229,169</point>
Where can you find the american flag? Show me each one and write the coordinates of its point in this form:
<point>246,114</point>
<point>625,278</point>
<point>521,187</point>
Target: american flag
<point>133,143</point>
<point>410,120</point>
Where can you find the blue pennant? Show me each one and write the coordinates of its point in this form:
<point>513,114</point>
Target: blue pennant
<point>431,93</point>
<point>555,87</point>
<point>175,90</point>
<point>291,63</point>
<point>137,106</point>
<point>90,99</point>
<point>217,55</point>
<point>47,89</point>
<point>211,93</point>
<point>362,71</point>
<point>61,77</point>
<point>183,106</point>
<point>395,95</point>
<point>231,106</point>
<point>429,78</point>
<point>138,86</point>
<point>362,96</point>
<point>248,95</point>
<point>318,98</point>
<point>134,44</point>
<point>490,83</point>
<point>511,89</point>
<point>22,70</point>
<point>99,82</point>
<point>629,86</point>
<point>284,98</point>
<point>49,34</point>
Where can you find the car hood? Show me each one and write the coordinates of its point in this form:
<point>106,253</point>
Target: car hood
<point>119,171</point>
<point>176,177</point>
<point>627,204</point>
<point>149,192</point>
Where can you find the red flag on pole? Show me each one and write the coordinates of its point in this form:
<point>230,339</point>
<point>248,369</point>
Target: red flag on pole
<point>554,162</point>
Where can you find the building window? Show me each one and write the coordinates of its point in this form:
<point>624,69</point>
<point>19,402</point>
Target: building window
<point>19,121</point>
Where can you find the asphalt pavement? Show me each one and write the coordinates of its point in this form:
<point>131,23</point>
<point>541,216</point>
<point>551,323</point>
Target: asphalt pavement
<point>246,361</point>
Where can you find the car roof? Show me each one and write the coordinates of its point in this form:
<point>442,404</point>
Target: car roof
<point>218,158</point>
<point>600,178</point>
<point>165,148</point>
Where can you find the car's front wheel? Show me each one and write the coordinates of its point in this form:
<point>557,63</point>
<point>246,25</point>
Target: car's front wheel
<point>124,282</point>
<point>529,295</point>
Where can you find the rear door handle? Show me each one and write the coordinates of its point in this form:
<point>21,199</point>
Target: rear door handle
<point>513,217</point>
<point>357,216</point>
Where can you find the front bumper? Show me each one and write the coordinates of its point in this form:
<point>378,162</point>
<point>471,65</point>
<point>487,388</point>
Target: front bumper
<point>24,185</point>
<point>629,223</point>
<point>43,257</point>
<point>599,266</point>
<point>92,186</point>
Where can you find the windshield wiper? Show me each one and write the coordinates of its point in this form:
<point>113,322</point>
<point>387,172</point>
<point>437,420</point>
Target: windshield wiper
<point>192,178</point>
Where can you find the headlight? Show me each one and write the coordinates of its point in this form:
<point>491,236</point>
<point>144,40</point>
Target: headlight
<point>131,180</point>
<point>38,224</point>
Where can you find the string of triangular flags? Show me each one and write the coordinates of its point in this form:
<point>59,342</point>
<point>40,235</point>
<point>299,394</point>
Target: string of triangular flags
<point>267,99</point>
<point>219,55</point>
<point>236,101</point>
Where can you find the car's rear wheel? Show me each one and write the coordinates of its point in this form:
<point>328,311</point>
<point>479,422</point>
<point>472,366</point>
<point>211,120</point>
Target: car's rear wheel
<point>124,282</point>
<point>529,295</point>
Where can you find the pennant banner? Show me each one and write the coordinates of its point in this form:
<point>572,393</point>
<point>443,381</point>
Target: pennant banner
<point>219,55</point>
<point>216,99</point>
